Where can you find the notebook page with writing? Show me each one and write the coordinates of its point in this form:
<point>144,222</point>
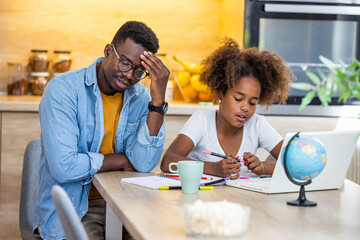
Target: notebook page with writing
<point>160,180</point>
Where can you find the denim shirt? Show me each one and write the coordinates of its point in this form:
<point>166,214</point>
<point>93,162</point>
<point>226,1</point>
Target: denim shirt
<point>72,129</point>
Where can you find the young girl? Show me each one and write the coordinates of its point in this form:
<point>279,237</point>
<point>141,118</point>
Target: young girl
<point>241,79</point>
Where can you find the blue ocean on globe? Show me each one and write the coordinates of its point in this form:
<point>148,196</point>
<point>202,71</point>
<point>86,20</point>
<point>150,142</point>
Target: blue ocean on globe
<point>306,158</point>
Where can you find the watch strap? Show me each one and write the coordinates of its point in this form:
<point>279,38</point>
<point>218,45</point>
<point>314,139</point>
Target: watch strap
<point>160,109</point>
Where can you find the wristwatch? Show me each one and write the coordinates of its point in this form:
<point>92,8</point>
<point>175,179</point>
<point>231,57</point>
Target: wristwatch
<point>162,109</point>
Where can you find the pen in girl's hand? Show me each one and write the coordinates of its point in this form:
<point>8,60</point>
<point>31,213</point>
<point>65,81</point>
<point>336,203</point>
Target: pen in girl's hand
<point>222,156</point>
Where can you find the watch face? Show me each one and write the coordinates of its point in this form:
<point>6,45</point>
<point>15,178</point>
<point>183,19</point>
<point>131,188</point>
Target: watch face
<point>165,107</point>
<point>162,109</point>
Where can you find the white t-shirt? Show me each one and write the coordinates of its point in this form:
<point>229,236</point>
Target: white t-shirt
<point>201,129</point>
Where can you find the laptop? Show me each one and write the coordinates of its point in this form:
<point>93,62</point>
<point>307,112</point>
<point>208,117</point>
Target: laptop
<point>339,146</point>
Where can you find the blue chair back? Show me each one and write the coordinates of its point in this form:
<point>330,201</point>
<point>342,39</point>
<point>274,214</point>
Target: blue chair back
<point>29,188</point>
<point>70,221</point>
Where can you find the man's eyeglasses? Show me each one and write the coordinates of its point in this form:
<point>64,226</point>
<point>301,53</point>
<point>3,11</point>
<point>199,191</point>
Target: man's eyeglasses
<point>125,66</point>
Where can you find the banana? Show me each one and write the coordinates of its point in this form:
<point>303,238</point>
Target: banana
<point>189,66</point>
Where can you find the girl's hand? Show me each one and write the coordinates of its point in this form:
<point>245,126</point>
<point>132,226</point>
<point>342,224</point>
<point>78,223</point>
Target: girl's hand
<point>228,167</point>
<point>253,163</point>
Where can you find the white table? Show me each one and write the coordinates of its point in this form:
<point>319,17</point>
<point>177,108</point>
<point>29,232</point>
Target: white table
<point>155,214</point>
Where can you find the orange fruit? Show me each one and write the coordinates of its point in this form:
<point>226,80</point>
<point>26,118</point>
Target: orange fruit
<point>206,96</point>
<point>189,93</point>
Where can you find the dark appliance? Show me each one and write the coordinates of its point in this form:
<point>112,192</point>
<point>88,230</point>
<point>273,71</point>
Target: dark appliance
<point>300,31</point>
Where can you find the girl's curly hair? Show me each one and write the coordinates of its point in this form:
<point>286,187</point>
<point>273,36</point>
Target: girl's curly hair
<point>224,67</point>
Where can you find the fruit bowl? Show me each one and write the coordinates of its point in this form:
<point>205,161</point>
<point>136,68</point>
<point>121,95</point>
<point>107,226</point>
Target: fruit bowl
<point>191,89</point>
<point>188,81</point>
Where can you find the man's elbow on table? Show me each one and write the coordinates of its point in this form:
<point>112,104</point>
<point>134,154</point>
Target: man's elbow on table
<point>144,164</point>
<point>144,167</point>
<point>144,160</point>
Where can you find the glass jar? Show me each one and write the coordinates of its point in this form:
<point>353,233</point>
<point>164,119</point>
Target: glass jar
<point>169,95</point>
<point>38,81</point>
<point>39,61</point>
<point>17,83</point>
<point>61,61</point>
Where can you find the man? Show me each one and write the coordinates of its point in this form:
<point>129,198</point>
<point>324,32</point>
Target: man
<point>99,119</point>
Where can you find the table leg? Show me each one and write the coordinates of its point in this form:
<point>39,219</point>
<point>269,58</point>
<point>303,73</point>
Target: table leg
<point>113,225</point>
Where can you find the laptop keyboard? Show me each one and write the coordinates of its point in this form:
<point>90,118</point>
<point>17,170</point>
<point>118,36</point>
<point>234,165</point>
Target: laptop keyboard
<point>261,184</point>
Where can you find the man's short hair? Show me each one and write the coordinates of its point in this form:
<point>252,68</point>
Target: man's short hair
<point>139,33</point>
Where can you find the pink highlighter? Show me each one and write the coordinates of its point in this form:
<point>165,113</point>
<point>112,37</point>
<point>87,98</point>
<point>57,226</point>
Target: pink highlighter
<point>222,156</point>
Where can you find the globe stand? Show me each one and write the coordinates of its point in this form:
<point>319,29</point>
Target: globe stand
<point>301,201</point>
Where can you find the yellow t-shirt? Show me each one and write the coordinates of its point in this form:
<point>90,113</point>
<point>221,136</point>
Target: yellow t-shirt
<point>112,106</point>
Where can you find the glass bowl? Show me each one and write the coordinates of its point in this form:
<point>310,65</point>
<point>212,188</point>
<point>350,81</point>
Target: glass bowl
<point>191,89</point>
<point>220,219</point>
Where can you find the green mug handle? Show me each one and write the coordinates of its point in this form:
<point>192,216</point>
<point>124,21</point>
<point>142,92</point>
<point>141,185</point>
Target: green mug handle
<point>173,164</point>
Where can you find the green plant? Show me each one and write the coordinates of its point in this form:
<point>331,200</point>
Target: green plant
<point>342,78</point>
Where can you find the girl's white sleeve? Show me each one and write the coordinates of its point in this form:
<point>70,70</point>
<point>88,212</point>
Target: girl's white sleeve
<point>268,136</point>
<point>194,127</point>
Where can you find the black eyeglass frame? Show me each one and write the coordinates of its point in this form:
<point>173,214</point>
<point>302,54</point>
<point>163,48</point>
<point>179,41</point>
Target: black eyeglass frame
<point>138,70</point>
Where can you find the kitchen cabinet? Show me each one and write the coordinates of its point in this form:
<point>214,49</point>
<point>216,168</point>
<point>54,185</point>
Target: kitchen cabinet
<point>18,129</point>
<point>19,120</point>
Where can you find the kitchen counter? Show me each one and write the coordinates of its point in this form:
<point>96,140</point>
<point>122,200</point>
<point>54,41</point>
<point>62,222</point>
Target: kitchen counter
<point>31,104</point>
<point>19,103</point>
<point>346,111</point>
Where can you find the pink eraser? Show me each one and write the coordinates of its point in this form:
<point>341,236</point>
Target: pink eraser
<point>207,152</point>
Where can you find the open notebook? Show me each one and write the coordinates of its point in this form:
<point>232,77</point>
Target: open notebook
<point>161,180</point>
<point>339,146</point>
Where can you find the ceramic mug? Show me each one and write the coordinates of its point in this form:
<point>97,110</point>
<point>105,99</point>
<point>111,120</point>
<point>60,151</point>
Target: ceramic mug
<point>190,173</point>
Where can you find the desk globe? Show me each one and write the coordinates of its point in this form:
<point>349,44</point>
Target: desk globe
<point>304,158</point>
